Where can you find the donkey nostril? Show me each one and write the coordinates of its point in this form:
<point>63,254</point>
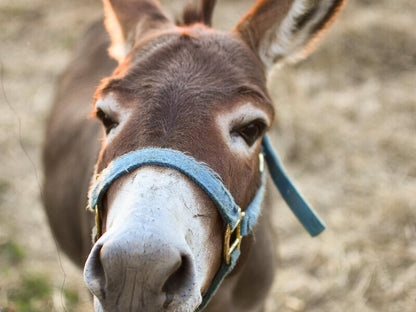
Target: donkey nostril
<point>179,281</point>
<point>94,273</point>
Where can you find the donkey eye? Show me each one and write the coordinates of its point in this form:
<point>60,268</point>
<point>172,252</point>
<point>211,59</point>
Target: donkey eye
<point>251,131</point>
<point>108,122</point>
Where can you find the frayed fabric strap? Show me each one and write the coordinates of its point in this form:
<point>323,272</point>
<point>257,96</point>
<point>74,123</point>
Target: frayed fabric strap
<point>198,172</point>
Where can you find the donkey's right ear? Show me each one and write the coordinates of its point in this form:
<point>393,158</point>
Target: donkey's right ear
<point>286,30</point>
<point>128,20</point>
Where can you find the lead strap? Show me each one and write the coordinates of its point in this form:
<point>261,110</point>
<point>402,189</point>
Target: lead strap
<point>294,199</point>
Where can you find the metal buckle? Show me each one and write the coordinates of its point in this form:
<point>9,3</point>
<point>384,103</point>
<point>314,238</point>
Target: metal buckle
<point>228,250</point>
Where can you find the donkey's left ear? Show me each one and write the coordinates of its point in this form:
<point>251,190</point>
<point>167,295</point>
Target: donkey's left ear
<point>286,30</point>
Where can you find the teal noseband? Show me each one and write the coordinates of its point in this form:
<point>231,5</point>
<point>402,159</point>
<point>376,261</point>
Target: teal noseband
<point>237,223</point>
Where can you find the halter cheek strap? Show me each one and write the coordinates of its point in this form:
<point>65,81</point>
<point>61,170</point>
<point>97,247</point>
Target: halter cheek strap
<point>237,223</point>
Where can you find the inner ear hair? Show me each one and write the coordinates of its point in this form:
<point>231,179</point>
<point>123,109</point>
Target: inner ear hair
<point>286,30</point>
<point>305,26</point>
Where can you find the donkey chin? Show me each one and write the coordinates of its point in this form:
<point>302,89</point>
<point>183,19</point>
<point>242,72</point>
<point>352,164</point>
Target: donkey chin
<point>154,255</point>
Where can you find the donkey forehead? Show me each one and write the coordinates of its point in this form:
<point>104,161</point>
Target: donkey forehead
<point>190,64</point>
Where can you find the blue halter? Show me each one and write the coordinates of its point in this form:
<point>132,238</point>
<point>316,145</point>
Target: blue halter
<point>237,222</point>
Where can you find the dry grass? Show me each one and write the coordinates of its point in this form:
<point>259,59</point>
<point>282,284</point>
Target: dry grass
<point>346,129</point>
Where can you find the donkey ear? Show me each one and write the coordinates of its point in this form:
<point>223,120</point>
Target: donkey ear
<point>198,11</point>
<point>128,20</point>
<point>286,30</point>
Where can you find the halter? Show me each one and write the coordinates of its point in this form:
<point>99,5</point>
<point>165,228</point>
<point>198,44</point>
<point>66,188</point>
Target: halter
<point>238,223</point>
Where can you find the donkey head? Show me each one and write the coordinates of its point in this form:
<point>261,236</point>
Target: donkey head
<point>184,87</point>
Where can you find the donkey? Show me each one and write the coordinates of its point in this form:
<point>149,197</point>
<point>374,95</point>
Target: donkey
<point>173,161</point>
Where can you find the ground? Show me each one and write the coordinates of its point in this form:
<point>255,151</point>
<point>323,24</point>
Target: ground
<point>345,128</point>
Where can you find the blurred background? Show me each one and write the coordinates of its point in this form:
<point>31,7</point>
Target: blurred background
<point>345,128</point>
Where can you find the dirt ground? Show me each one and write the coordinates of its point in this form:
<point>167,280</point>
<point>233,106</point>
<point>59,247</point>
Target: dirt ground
<point>346,130</point>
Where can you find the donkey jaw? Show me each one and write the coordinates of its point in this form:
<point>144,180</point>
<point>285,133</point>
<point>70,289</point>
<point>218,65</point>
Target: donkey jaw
<point>162,235</point>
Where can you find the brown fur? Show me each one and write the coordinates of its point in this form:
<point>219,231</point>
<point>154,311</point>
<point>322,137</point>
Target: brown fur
<point>72,144</point>
<point>191,75</point>
<point>246,83</point>
<point>174,81</point>
<point>262,17</point>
